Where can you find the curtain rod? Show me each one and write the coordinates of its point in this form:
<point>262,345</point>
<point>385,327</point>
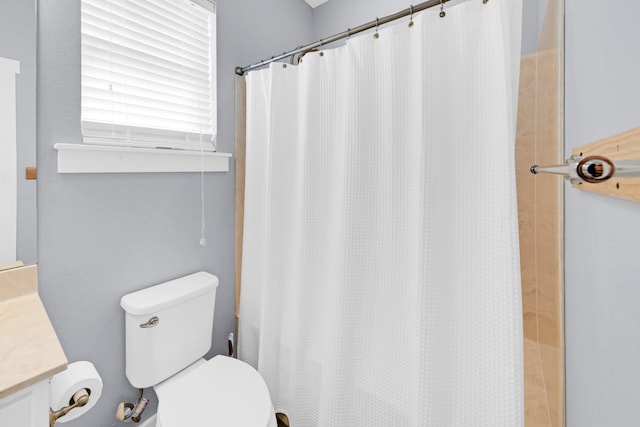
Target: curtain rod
<point>351,31</point>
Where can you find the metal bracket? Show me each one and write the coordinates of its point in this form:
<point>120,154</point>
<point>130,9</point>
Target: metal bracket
<point>610,167</point>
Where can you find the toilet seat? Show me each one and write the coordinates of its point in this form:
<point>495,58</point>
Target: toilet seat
<point>220,392</point>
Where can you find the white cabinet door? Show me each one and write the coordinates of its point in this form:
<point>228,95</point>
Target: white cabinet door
<point>26,408</point>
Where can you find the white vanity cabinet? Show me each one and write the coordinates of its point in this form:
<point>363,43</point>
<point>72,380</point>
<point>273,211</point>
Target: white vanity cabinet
<point>28,407</point>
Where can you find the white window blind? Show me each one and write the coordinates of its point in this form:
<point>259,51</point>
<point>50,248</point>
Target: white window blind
<point>149,73</point>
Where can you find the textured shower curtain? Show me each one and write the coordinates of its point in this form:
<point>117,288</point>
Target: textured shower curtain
<point>380,276</point>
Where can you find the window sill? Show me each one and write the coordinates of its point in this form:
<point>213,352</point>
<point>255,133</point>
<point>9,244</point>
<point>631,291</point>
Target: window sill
<point>83,158</point>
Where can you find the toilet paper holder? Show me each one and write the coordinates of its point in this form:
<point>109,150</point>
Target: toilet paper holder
<point>127,412</point>
<point>79,399</point>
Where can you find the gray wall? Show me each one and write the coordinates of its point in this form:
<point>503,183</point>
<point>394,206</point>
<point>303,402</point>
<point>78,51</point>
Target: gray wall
<point>602,254</point>
<point>104,235</point>
<point>18,42</point>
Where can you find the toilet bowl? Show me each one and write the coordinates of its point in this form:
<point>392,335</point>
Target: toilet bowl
<point>223,391</point>
<point>168,330</point>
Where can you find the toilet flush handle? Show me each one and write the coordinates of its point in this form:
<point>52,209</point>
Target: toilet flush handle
<point>151,323</point>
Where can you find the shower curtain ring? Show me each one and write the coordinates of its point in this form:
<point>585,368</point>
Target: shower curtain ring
<point>442,12</point>
<point>411,16</point>
<point>376,35</point>
<point>293,57</point>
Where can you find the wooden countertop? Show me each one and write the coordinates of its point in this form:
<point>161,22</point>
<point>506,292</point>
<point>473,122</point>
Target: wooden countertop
<point>29,348</point>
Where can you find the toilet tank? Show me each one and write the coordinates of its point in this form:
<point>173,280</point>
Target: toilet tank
<point>168,327</point>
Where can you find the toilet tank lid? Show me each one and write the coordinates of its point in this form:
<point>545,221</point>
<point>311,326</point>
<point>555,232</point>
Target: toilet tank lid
<point>159,297</point>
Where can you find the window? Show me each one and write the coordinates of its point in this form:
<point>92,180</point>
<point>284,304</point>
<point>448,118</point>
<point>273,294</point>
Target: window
<point>149,73</point>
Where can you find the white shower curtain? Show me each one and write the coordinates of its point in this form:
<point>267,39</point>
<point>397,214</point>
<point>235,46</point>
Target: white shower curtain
<point>380,276</point>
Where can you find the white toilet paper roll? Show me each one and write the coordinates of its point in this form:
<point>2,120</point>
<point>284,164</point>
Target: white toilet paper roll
<point>64,385</point>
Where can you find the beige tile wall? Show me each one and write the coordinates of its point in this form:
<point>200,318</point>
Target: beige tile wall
<point>539,141</point>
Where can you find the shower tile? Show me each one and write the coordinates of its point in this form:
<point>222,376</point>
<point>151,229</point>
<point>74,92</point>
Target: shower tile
<point>549,295</point>
<point>547,200</point>
<point>530,324</point>
<point>528,272</point>
<point>526,189</point>
<point>549,315</point>
<point>527,88</point>
<point>553,371</point>
<point>536,407</point>
<point>549,36</point>
<point>548,150</point>
<point>540,222</point>
<point>526,225</point>
<point>548,331</point>
<point>524,157</point>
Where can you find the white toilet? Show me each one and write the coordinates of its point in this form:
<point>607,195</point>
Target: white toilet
<point>168,331</point>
